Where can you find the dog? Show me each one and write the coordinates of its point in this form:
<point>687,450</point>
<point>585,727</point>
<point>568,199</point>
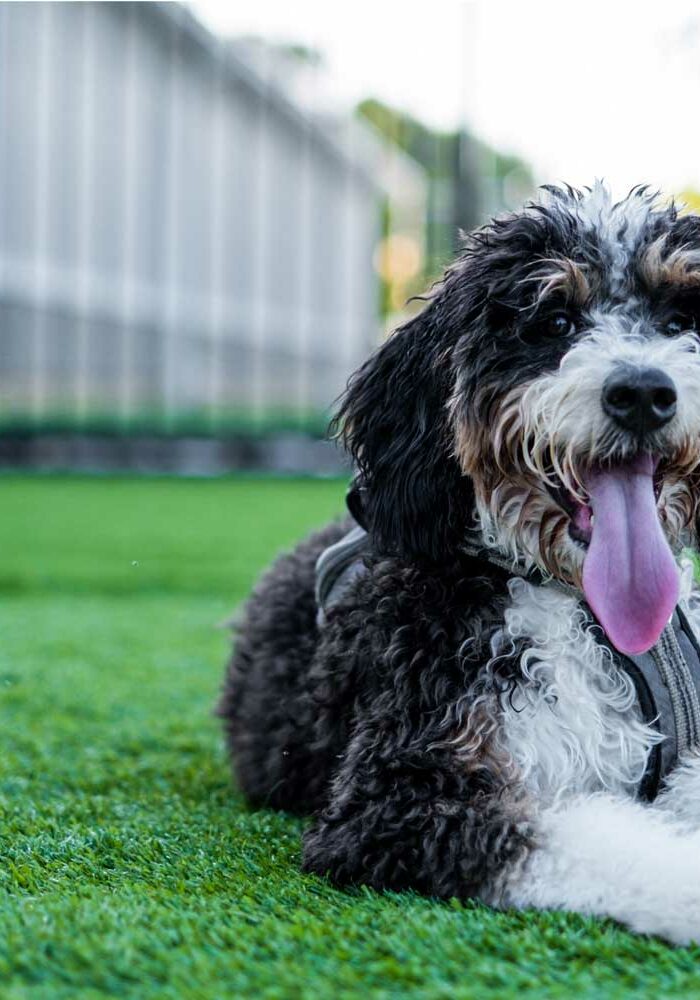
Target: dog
<point>499,699</point>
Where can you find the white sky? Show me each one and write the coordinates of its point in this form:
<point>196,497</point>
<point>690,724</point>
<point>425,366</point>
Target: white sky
<point>579,89</point>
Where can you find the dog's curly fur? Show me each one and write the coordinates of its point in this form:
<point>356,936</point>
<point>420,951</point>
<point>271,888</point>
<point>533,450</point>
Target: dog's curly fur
<point>372,728</point>
<point>394,722</point>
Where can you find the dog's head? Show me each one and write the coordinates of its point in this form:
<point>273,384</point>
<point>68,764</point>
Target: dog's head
<point>549,393</point>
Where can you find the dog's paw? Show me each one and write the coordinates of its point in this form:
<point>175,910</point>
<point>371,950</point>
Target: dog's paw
<point>616,858</point>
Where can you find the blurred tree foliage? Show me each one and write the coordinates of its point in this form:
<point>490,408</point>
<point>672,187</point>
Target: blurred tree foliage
<point>468,180</point>
<point>690,199</point>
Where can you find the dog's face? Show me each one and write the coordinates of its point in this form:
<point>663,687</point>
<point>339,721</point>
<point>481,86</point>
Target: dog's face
<point>556,371</point>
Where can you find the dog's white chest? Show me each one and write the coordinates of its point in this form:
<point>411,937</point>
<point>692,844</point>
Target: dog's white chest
<point>572,724</point>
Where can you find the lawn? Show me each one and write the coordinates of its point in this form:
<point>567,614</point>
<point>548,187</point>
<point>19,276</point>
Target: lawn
<point>130,866</point>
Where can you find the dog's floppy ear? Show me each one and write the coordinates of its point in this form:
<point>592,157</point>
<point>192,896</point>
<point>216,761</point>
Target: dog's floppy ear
<point>393,419</point>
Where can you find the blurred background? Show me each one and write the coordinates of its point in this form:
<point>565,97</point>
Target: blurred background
<point>210,213</point>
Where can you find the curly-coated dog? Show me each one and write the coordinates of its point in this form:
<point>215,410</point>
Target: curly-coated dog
<point>497,696</point>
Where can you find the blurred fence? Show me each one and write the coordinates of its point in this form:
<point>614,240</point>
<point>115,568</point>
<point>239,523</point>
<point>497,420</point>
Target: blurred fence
<point>179,242</point>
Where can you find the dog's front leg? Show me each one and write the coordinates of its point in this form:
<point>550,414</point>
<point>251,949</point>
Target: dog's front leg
<point>413,817</point>
<point>614,858</point>
<point>404,814</point>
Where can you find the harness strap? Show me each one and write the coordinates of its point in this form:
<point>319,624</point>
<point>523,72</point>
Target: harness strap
<point>336,567</point>
<point>677,677</point>
<point>667,682</point>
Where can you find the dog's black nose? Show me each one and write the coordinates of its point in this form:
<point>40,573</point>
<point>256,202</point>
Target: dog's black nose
<point>639,399</point>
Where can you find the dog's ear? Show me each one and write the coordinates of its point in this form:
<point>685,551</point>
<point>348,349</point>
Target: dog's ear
<point>394,421</point>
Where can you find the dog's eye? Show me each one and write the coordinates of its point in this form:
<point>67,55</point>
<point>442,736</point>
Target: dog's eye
<point>559,324</point>
<point>680,323</point>
<point>555,326</point>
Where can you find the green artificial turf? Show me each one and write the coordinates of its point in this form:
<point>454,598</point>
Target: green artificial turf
<point>129,865</point>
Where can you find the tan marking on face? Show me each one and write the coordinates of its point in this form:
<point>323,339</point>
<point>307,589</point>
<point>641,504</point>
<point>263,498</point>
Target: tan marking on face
<point>486,448</point>
<point>492,455</point>
<point>563,276</point>
<point>680,267</point>
<point>470,447</point>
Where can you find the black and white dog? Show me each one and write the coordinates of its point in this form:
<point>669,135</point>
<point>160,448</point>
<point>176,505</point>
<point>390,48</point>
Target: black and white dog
<point>501,700</point>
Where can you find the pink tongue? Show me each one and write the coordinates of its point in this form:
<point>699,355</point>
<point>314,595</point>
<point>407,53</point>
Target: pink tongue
<point>630,577</point>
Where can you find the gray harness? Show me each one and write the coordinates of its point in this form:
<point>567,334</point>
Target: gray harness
<point>666,678</point>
